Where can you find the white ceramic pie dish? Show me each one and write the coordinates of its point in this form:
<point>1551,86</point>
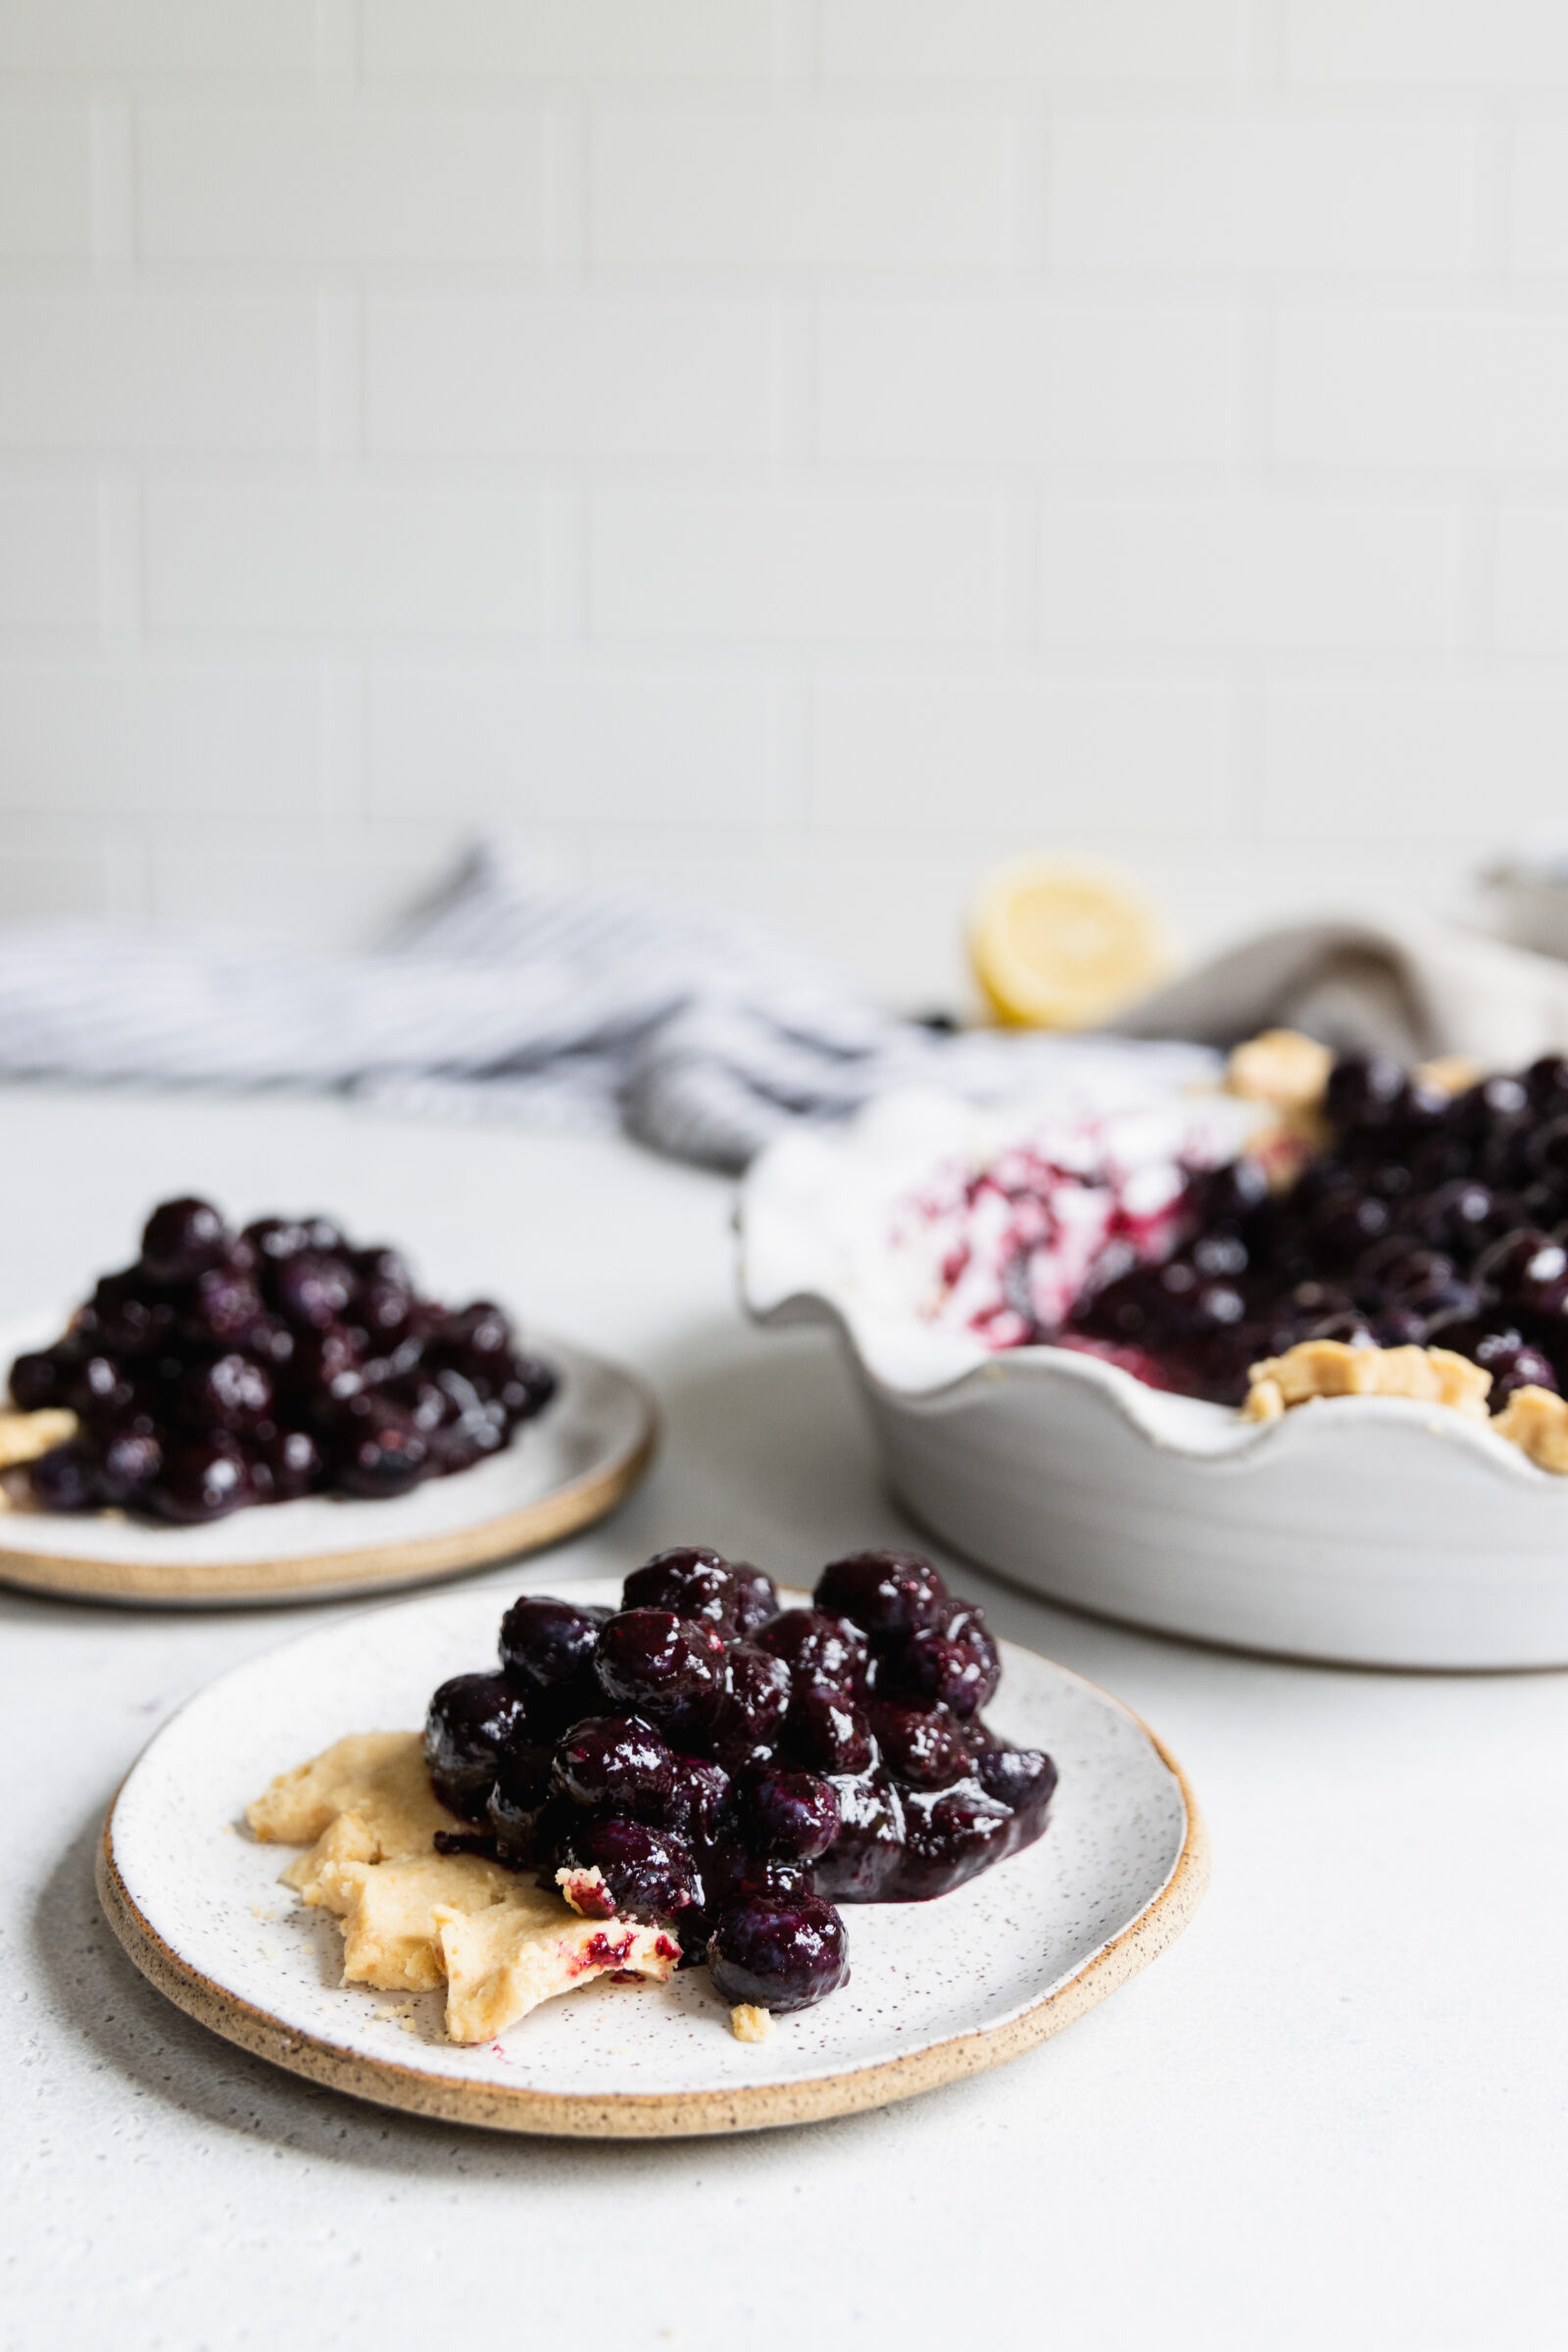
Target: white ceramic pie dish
<point>1372,1530</point>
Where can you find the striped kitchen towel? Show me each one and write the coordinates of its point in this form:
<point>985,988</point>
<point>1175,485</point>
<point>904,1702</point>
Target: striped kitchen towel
<point>506,999</point>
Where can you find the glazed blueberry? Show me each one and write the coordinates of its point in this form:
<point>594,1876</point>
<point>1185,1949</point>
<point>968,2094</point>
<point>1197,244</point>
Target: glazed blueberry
<point>228,1392</point>
<point>545,1642</point>
<point>690,1581</point>
<point>1019,1777</point>
<point>953,1663</point>
<point>202,1479</point>
<point>756,1597</point>
<point>66,1479</point>
<point>824,1652</point>
<point>886,1594</point>
<point>225,1310</point>
<point>99,1390</point>
<point>793,1814</point>
<point>615,1763</point>
<point>779,1957</point>
<point>921,1746</point>
<point>827,1733</point>
<point>130,1316</point>
<point>182,1239</point>
<point>948,1839</point>
<point>749,1714</point>
<point>387,1457</point>
<point>867,1855</point>
<point>1364,1090</point>
<point>311,1291</point>
<point>1505,1351</point>
<point>129,1461</point>
<point>518,1809</point>
<point>651,1875</point>
<point>292,1462</point>
<point>36,1380</point>
<point>474,1719</point>
<point>666,1667</point>
<point>698,1802</point>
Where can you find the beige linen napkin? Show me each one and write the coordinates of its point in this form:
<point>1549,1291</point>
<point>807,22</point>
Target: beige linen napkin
<point>1406,983</point>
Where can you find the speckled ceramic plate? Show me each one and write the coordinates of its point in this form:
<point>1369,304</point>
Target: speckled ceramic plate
<point>937,1990</point>
<point>586,1450</point>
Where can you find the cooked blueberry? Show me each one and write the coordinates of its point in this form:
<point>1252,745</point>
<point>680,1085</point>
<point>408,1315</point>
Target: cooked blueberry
<point>228,1392</point>
<point>824,1652</point>
<point>779,1957</point>
<point>292,1460</point>
<point>129,1460</point>
<point>202,1479</point>
<point>66,1479</point>
<point>545,1641</point>
<point>666,1667</point>
<point>756,1597</point>
<point>520,1809</point>
<point>1365,1090</point>
<point>921,1746</point>
<point>387,1457</point>
<point>795,1814</point>
<point>651,1874</point>
<point>699,1801</point>
<point>36,1380</point>
<point>748,1715</point>
<point>886,1594</point>
<point>689,1580</point>
<point>474,1719</point>
<point>948,1837</point>
<point>309,1291</point>
<point>867,1854</point>
<point>1020,1776</point>
<point>182,1239</point>
<point>953,1663</point>
<point>615,1763</point>
<point>827,1733</point>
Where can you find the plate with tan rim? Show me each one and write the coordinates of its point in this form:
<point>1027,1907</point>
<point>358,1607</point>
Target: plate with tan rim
<point>937,1990</point>
<point>563,1470</point>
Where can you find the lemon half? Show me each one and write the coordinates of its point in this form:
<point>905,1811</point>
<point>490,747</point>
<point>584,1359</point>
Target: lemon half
<point>1060,944</point>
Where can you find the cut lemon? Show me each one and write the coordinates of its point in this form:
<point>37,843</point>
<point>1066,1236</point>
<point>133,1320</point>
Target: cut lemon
<point>1060,945</point>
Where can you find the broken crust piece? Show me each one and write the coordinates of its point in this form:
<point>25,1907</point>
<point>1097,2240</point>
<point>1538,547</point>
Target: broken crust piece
<point>24,1437</point>
<point>1330,1368</point>
<point>747,2023</point>
<point>412,1918</point>
<point>1537,1422</point>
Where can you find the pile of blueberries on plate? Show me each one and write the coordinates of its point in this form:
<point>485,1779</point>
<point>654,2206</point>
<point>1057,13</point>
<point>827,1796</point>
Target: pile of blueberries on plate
<point>733,1770</point>
<point>231,1368</point>
<point>1430,1218</point>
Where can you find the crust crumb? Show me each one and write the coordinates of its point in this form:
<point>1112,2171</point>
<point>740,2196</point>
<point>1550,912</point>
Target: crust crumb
<point>1332,1368</point>
<point>1282,1067</point>
<point>1537,1422</point>
<point>1449,1074</point>
<point>750,2024</point>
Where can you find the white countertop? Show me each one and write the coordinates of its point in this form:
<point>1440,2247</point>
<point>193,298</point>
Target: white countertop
<point>1335,2113</point>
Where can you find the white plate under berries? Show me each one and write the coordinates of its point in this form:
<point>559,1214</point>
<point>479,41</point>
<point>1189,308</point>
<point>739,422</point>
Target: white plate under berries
<point>937,1990</point>
<point>564,1469</point>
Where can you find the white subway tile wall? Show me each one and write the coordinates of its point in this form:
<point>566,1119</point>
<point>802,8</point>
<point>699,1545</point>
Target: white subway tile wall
<point>798,451</point>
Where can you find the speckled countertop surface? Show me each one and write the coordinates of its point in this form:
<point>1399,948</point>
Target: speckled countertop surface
<point>1334,2112</point>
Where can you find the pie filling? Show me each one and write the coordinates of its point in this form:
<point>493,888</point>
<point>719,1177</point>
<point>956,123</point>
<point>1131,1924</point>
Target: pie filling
<point>698,1776</point>
<point>1386,1232</point>
<point>226,1368</point>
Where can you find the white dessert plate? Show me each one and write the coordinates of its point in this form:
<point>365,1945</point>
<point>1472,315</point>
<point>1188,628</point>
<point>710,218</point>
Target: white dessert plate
<point>582,1455</point>
<point>1369,1529</point>
<point>937,1990</point>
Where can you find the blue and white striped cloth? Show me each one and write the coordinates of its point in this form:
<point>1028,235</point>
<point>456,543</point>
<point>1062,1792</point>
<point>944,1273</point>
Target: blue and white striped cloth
<point>505,1000</point>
